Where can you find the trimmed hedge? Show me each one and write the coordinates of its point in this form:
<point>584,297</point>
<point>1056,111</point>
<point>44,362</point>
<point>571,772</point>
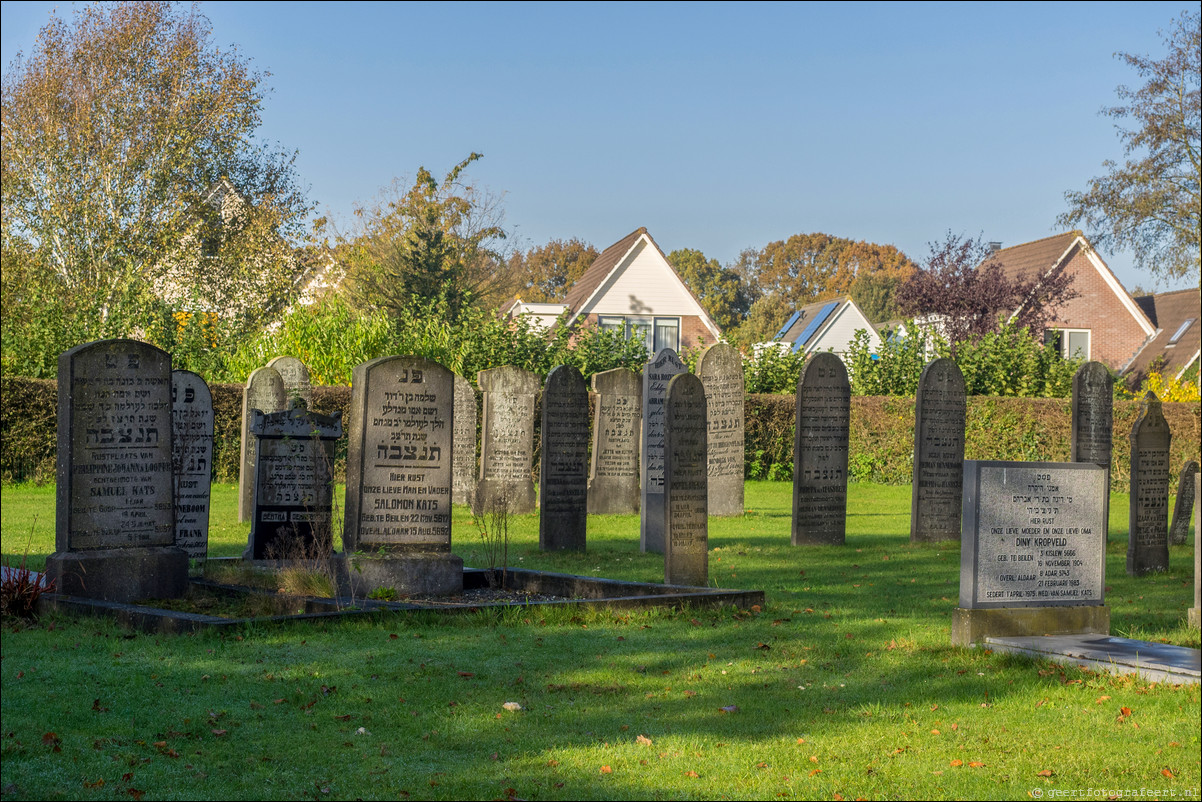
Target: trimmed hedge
<point>882,432</point>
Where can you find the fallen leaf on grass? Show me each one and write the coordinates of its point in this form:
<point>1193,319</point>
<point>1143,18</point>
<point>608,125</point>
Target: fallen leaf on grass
<point>606,770</point>
<point>691,774</point>
<point>1167,773</point>
<point>466,674</point>
<point>512,706</point>
<point>815,771</point>
<point>52,740</point>
<point>1101,699</point>
<point>96,708</point>
<point>643,740</point>
<point>99,783</point>
<point>976,764</point>
<point>957,763</point>
<point>220,733</point>
<point>1046,773</point>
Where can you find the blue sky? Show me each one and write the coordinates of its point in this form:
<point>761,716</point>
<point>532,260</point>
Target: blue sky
<point>718,126</point>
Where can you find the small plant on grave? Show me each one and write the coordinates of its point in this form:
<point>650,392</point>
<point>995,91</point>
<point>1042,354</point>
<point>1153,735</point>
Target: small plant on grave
<point>494,536</point>
<point>21,588</point>
<point>305,568</point>
<point>384,594</point>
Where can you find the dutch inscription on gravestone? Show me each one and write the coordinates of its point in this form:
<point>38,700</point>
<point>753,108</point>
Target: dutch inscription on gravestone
<point>1148,541</point>
<point>264,392</point>
<point>1093,414</point>
<point>192,461</point>
<point>656,375</point>
<point>820,448</point>
<point>296,379</point>
<point>1034,534</point>
<point>1183,508</point>
<point>463,457</point>
<point>613,487</point>
<point>294,484</point>
<point>939,415</point>
<point>720,369</point>
<point>686,505</point>
<point>114,447</point>
<point>563,473</point>
<point>507,440</point>
<point>398,495</point>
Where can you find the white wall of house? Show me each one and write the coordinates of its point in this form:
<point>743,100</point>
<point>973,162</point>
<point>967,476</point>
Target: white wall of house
<point>840,332</point>
<point>646,286</point>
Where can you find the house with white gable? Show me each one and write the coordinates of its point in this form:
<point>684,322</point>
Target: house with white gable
<point>632,288</point>
<point>829,325</point>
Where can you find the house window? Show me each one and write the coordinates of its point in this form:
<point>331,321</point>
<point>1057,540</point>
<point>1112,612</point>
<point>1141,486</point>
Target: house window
<point>667,333</point>
<point>1071,343</point>
<point>1177,335</point>
<point>656,333</point>
<point>640,328</point>
<point>611,323</point>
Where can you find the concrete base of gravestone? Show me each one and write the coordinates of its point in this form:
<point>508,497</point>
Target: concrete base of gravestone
<point>1194,620</point>
<point>971,626</point>
<point>409,575</point>
<point>120,575</point>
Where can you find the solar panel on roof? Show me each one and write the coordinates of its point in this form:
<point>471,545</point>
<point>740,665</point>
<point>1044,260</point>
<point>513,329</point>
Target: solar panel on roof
<point>818,320</point>
<point>785,328</point>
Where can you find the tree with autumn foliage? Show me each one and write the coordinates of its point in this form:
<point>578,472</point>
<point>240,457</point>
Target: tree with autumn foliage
<point>721,290</point>
<point>1152,203</point>
<point>963,292</point>
<point>545,274</point>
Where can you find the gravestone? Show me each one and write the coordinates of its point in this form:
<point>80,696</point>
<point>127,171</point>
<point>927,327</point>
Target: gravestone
<point>820,446</point>
<point>115,517</point>
<point>720,368</point>
<point>264,392</point>
<point>613,484</point>
<point>1148,539</point>
<point>939,415</point>
<point>192,461</point>
<point>397,530</point>
<point>1093,414</point>
<point>563,472</point>
<point>656,375</point>
<point>686,494</point>
<point>1195,613</point>
<point>507,440</point>
<point>296,379</point>
<point>294,484</point>
<point>1033,550</point>
<point>1183,508</point>
<point>463,444</point>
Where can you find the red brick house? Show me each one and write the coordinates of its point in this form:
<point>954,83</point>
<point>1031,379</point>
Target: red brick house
<point>1103,322</point>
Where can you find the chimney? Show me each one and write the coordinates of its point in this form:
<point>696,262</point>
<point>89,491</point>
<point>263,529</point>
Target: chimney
<point>994,247</point>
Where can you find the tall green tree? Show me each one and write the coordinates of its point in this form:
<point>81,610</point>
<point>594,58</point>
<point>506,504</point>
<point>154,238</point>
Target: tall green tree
<point>1151,203</point>
<point>721,290</point>
<point>545,273</point>
<point>116,128</point>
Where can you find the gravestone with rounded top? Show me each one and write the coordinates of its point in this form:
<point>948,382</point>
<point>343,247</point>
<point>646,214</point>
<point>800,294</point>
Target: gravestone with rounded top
<point>507,440</point>
<point>656,374</point>
<point>563,472</point>
<point>939,416</point>
<point>397,529</point>
<point>115,515</point>
<point>1093,414</point>
<point>463,456</point>
<point>820,445</point>
<point>686,495</point>
<point>1148,539</point>
<point>192,461</point>
<point>265,392</point>
<point>720,368</point>
<point>613,487</point>
<point>295,374</point>
<point>1183,508</point>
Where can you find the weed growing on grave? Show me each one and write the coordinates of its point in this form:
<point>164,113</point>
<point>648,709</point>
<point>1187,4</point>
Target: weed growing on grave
<point>494,534</point>
<point>21,588</point>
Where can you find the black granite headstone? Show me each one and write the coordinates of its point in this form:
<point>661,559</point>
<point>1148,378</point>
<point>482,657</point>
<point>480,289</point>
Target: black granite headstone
<point>686,505</point>
<point>939,415</point>
<point>1148,539</point>
<point>820,446</point>
<point>1093,416</point>
<point>563,474</point>
<point>656,375</point>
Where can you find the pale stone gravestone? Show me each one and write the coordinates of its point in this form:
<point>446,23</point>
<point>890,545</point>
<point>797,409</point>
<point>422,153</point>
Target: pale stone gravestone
<point>1195,613</point>
<point>563,472</point>
<point>397,531</point>
<point>115,518</point>
<point>656,375</point>
<point>507,440</point>
<point>720,368</point>
<point>294,484</point>
<point>264,392</point>
<point>463,443</point>
<point>613,487</point>
<point>295,374</point>
<point>686,495</point>
<point>1033,550</point>
<point>1183,508</point>
<point>820,446</point>
<point>192,461</point>
<point>1093,414</point>
<point>1148,538</point>
<point>939,415</point>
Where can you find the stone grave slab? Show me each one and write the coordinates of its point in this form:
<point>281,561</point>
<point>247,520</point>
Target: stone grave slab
<point>192,461</point>
<point>1033,550</point>
<point>686,492</point>
<point>656,374</point>
<point>1154,662</point>
<point>463,456</point>
<point>939,414</point>
<point>613,487</point>
<point>1092,414</point>
<point>820,453</point>
<point>115,517</point>
<point>265,392</point>
<point>720,368</point>
<point>1148,539</point>
<point>1183,507</point>
<point>563,473</point>
<point>507,440</point>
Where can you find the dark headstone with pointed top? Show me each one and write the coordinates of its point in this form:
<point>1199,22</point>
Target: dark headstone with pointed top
<point>686,506</point>
<point>1148,538</point>
<point>1093,414</point>
<point>563,471</point>
<point>939,416</point>
<point>820,447</point>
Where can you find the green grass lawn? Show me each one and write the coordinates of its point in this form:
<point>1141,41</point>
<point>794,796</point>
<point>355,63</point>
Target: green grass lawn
<point>843,686</point>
